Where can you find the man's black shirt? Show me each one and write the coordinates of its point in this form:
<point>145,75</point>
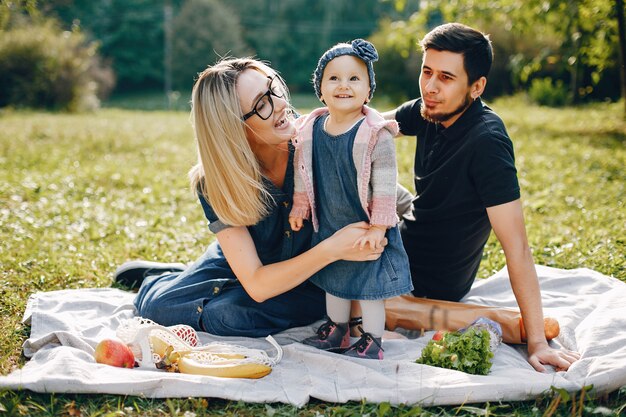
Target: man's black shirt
<point>459,172</point>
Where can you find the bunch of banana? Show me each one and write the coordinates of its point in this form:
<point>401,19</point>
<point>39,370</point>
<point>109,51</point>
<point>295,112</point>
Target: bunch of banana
<point>176,349</point>
<point>216,359</point>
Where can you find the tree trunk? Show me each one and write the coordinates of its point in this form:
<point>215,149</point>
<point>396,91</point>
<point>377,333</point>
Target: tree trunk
<point>575,38</point>
<point>167,52</point>
<point>619,11</point>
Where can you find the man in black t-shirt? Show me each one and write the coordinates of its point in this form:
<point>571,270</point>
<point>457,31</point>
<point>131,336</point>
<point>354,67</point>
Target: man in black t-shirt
<point>460,170</point>
<point>466,184</point>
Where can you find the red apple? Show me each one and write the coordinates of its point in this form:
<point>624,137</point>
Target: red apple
<point>115,353</point>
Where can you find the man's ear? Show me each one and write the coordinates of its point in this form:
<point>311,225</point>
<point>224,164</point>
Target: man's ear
<point>478,87</point>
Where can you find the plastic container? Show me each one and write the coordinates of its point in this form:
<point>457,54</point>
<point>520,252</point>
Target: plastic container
<point>494,329</point>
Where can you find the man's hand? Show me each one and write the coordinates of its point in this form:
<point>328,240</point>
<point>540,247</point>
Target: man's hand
<point>542,354</point>
<point>507,221</point>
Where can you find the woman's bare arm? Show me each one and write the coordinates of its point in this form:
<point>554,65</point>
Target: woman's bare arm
<point>262,282</point>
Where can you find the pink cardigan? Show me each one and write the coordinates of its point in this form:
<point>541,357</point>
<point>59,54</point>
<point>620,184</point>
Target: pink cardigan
<point>375,161</point>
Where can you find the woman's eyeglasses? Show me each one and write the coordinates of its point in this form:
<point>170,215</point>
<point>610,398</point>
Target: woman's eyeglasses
<point>264,106</point>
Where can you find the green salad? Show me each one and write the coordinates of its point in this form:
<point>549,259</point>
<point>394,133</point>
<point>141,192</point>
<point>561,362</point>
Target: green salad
<point>466,351</point>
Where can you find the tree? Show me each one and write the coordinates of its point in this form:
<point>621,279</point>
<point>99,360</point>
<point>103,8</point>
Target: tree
<point>203,31</point>
<point>10,11</point>
<point>290,34</point>
<point>619,12</point>
<point>42,66</point>
<point>130,34</point>
<point>397,71</point>
<point>293,34</point>
<point>573,40</point>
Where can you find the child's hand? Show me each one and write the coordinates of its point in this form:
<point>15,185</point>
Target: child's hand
<point>374,237</point>
<point>295,223</point>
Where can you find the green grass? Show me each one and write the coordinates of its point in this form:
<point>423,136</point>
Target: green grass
<point>151,100</point>
<point>80,194</point>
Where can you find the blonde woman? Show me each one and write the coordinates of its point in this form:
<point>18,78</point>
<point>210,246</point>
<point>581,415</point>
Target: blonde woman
<point>252,281</point>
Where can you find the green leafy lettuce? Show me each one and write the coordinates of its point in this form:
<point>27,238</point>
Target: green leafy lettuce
<point>467,352</point>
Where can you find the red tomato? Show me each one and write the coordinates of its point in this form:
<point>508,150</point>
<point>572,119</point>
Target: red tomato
<point>439,335</point>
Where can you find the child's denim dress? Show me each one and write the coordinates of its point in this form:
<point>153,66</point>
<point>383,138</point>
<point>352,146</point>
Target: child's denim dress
<point>338,205</point>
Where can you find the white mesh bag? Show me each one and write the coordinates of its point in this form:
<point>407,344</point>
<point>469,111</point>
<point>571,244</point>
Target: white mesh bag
<point>153,344</point>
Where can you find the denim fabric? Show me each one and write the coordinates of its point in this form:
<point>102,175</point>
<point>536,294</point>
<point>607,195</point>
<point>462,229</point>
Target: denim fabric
<point>338,205</point>
<point>272,236</point>
<point>208,296</point>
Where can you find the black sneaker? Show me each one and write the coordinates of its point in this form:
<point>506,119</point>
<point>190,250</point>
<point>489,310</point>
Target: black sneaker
<point>367,347</point>
<point>131,274</point>
<point>331,336</point>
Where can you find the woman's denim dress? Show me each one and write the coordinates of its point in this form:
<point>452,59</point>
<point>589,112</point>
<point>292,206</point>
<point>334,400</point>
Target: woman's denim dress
<point>207,295</point>
<point>338,205</point>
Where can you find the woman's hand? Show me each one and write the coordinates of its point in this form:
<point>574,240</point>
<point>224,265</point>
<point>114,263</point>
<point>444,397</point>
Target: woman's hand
<point>341,244</point>
<point>262,282</point>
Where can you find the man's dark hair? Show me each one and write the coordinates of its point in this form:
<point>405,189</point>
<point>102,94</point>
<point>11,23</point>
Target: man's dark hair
<point>472,44</point>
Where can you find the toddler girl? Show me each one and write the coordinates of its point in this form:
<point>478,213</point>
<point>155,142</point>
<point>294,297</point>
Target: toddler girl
<point>346,172</point>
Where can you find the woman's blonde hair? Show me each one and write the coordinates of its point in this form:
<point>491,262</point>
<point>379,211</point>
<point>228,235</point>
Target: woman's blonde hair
<point>228,174</point>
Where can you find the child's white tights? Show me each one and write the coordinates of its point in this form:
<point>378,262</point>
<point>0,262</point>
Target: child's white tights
<point>373,312</point>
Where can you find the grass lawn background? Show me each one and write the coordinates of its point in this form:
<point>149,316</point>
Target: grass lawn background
<point>82,193</point>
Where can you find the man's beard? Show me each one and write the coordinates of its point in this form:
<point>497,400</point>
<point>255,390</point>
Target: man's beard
<point>443,117</point>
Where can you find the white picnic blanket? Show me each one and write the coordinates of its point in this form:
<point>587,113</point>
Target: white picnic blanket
<point>66,326</point>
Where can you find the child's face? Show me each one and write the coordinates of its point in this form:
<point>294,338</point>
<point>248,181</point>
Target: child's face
<point>345,84</point>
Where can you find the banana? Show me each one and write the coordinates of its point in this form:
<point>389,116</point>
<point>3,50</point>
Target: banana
<point>160,346</point>
<point>177,357</point>
<point>164,348</point>
<point>187,364</point>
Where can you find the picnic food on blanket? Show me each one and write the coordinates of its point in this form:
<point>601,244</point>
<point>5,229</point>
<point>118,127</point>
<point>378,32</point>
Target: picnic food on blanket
<point>439,334</point>
<point>176,349</point>
<point>414,313</point>
<point>115,353</point>
<point>187,333</point>
<point>550,325</point>
<point>225,363</point>
<point>468,350</point>
<point>195,364</point>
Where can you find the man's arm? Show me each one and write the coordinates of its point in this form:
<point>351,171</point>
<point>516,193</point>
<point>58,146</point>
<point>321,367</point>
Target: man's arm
<point>507,221</point>
<point>390,115</point>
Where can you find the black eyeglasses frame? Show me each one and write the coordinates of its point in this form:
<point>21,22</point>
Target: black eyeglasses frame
<point>269,93</point>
